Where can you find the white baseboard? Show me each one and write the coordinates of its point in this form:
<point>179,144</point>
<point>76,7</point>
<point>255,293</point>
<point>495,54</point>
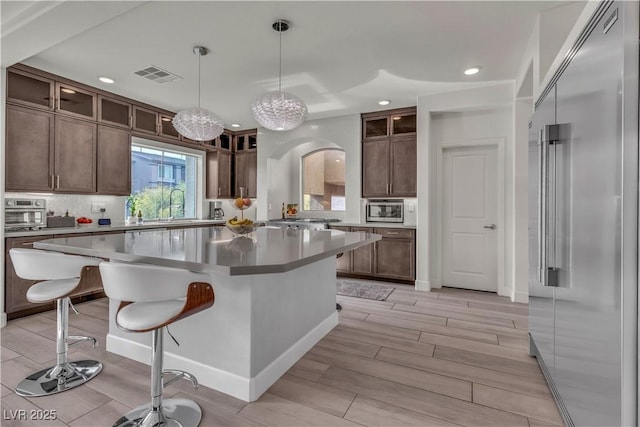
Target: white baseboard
<point>424,285</point>
<point>247,389</point>
<point>522,297</point>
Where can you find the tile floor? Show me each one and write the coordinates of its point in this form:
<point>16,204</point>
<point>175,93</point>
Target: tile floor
<point>444,358</point>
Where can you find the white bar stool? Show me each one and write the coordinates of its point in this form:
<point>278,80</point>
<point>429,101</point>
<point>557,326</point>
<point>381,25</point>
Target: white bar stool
<point>61,275</point>
<point>151,298</point>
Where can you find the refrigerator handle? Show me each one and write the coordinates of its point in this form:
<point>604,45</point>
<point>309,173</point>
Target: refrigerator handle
<point>542,209</point>
<point>549,274</point>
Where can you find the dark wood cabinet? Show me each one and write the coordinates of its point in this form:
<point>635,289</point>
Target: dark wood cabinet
<point>145,120</point>
<point>113,161</point>
<point>395,254</point>
<point>75,155</point>
<point>47,152</point>
<point>362,258</point>
<point>29,160</point>
<point>218,175</point>
<point>375,168</point>
<point>114,112</point>
<point>30,90</point>
<point>389,153</point>
<point>246,174</point>
<point>75,101</point>
<point>166,127</point>
<point>391,258</point>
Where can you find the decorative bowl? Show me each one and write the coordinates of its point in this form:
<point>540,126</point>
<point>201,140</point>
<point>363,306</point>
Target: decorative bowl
<point>240,228</point>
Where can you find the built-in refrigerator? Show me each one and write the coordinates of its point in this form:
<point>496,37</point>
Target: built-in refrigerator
<point>583,207</point>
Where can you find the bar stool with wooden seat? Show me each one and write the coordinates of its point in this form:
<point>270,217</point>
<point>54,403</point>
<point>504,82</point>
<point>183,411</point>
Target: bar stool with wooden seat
<point>60,275</point>
<point>151,298</point>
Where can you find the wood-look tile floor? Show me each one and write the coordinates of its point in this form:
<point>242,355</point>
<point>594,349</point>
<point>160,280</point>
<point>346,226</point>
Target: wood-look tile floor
<point>443,358</point>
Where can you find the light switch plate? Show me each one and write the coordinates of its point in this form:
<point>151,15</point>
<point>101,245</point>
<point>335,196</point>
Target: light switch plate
<point>95,207</point>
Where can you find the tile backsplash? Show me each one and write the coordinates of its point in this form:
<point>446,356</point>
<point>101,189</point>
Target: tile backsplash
<point>80,204</point>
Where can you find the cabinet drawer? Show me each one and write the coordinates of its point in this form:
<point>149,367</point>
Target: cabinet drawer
<point>395,233</point>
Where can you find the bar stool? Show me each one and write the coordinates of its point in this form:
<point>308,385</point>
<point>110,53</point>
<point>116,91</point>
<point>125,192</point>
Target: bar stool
<point>151,298</point>
<point>61,275</point>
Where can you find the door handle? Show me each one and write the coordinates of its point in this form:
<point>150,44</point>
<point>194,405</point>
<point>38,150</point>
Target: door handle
<point>490,227</point>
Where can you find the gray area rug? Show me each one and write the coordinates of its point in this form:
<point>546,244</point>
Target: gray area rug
<point>363,290</point>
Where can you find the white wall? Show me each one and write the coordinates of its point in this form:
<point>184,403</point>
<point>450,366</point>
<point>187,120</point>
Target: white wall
<point>464,115</point>
<point>279,165</point>
<point>3,97</point>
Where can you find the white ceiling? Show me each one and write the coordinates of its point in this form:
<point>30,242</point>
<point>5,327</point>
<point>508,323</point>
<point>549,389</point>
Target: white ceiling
<point>339,57</point>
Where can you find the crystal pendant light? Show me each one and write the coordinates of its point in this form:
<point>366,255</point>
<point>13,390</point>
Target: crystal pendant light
<point>279,110</point>
<point>197,123</point>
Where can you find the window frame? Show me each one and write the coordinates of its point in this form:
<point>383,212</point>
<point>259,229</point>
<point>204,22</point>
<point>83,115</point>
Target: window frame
<point>302,177</point>
<point>199,172</point>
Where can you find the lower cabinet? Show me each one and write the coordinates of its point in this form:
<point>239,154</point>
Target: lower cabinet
<point>393,257</point>
<point>15,288</point>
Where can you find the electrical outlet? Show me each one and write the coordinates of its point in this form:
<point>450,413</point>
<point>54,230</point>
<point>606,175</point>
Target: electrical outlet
<point>96,207</point>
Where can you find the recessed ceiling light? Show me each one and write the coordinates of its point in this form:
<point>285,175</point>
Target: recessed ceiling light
<point>66,90</point>
<point>471,71</point>
<point>235,125</point>
<point>105,80</point>
<point>384,102</point>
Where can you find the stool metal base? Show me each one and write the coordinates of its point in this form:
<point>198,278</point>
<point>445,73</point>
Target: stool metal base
<point>58,378</point>
<point>174,413</point>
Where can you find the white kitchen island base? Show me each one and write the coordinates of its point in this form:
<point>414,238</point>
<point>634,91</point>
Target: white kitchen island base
<point>258,327</point>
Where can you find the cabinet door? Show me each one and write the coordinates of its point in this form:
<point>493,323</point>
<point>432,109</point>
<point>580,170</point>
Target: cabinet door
<point>362,257</point>
<point>114,112</point>
<point>75,101</point>
<point>144,120</point>
<point>240,175</point>
<point>343,263</point>
<point>218,171</point>
<point>114,161</point>
<point>224,174</point>
<point>251,174</point>
<point>375,168</point>
<point>375,127</point>
<point>225,142</point>
<point>403,167</point>
<point>166,127</point>
<point>75,155</point>
<point>30,90</point>
<point>15,288</point>
<point>403,124</point>
<point>395,258</point>
<point>29,165</point>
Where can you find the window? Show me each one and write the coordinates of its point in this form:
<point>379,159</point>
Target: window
<point>163,181</point>
<point>323,181</point>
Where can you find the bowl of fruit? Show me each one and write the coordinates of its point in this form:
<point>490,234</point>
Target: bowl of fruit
<point>240,226</point>
<point>241,203</point>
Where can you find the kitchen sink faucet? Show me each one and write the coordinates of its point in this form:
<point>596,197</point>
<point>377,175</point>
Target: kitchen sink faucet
<point>170,205</point>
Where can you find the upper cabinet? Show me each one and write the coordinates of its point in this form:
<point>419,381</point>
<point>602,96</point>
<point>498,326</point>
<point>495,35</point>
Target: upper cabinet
<point>383,124</point>
<point>246,140</point>
<point>75,101</point>
<point>166,127</point>
<point>114,112</point>
<point>145,120</point>
<point>30,90</point>
<point>389,151</point>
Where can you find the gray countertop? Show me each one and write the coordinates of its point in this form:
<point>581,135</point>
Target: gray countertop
<point>215,249</point>
<point>95,228</point>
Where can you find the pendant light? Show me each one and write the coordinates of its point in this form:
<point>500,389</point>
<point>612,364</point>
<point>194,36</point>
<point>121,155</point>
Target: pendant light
<point>197,123</point>
<point>279,110</point>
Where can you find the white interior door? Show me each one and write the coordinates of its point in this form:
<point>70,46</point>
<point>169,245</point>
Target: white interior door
<point>469,218</point>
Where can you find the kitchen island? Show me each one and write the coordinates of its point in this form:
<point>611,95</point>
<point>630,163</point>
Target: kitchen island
<point>275,298</point>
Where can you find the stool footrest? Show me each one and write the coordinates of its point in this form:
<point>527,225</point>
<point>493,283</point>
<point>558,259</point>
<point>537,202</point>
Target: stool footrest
<point>179,375</point>
<point>81,338</point>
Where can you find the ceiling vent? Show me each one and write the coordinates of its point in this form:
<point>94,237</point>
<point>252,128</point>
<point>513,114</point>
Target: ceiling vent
<point>157,74</point>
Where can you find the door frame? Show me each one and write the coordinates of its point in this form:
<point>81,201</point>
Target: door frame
<point>499,145</point>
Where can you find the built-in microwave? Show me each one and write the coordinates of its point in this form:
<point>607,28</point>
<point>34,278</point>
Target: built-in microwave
<point>385,211</point>
<point>24,214</point>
